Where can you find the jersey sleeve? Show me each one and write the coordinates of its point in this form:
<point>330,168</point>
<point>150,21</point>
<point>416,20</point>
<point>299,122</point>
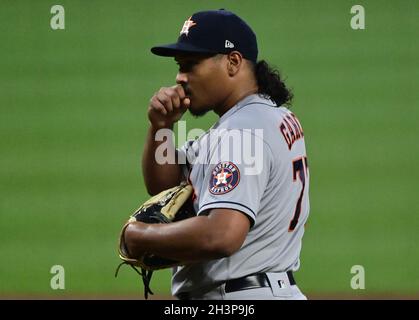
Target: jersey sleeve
<point>236,177</point>
<point>184,157</point>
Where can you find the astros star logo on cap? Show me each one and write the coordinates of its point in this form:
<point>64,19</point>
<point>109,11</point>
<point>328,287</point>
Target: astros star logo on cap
<point>188,24</point>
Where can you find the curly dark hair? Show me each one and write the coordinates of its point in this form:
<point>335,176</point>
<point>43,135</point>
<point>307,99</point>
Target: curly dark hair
<point>271,85</point>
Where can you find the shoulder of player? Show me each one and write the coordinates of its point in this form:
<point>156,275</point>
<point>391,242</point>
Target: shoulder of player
<point>251,116</point>
<point>254,137</point>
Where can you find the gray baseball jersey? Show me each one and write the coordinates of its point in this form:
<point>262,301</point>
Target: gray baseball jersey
<point>252,160</point>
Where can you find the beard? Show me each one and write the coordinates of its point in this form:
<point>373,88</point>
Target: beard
<point>198,112</point>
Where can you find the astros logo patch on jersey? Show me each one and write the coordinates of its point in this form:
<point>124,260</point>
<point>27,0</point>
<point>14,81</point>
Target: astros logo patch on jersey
<point>225,177</point>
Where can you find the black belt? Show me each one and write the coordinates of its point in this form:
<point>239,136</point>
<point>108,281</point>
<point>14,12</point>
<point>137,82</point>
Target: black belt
<point>259,280</point>
<point>254,281</point>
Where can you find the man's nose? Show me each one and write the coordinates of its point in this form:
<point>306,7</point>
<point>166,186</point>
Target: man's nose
<point>181,78</point>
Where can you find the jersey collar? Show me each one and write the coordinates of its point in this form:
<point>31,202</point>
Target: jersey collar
<point>251,99</point>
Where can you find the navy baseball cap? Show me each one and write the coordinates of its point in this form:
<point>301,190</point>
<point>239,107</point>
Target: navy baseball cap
<point>214,31</point>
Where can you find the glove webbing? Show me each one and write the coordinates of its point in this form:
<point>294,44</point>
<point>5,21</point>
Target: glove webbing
<point>145,275</point>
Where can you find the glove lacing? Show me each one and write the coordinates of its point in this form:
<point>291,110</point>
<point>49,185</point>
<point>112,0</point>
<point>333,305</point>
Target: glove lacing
<point>145,275</point>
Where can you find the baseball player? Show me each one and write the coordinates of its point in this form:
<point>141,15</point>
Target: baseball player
<point>249,172</point>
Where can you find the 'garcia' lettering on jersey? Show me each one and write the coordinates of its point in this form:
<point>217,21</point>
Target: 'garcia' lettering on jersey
<point>291,129</point>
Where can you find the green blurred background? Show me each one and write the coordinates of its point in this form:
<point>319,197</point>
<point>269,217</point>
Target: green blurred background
<point>73,119</point>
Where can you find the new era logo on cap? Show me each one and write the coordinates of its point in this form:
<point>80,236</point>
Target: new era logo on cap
<point>229,44</point>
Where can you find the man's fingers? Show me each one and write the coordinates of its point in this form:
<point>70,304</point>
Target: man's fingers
<point>173,94</point>
<point>180,91</point>
<point>171,98</point>
<point>186,103</point>
<point>157,106</point>
<point>169,103</point>
<point>165,100</point>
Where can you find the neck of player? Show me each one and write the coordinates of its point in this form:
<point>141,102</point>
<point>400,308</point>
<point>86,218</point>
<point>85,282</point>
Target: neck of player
<point>239,93</point>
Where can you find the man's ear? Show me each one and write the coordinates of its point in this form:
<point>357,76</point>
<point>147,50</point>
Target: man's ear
<point>234,63</point>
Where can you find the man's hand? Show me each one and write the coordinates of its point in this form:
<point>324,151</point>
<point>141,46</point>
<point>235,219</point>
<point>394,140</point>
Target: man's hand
<point>167,106</point>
